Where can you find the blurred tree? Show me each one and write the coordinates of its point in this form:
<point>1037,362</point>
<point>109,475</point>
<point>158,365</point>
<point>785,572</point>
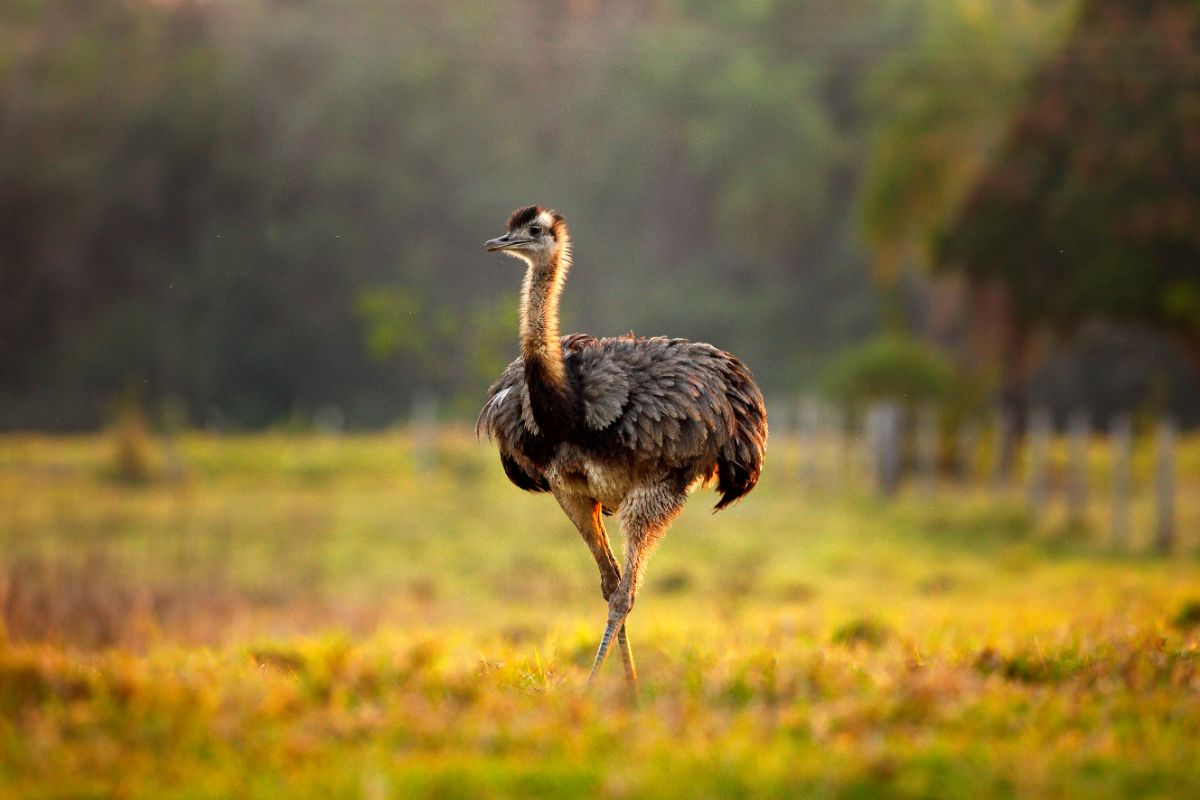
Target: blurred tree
<point>757,159</point>
<point>943,107</point>
<point>1090,207</point>
<point>225,201</point>
<point>104,151</point>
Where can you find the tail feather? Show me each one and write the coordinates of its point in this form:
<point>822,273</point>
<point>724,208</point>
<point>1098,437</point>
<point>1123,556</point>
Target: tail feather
<point>734,481</point>
<point>741,459</point>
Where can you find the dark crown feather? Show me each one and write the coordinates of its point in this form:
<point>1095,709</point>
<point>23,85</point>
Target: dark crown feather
<point>523,216</point>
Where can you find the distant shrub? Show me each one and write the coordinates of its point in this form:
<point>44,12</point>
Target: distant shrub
<point>893,366</point>
<point>1032,667</point>
<point>674,582</point>
<point>938,583</point>
<point>1188,616</point>
<point>87,603</point>
<point>284,659</point>
<point>90,600</point>
<point>133,452</point>
<point>863,630</point>
<point>798,592</point>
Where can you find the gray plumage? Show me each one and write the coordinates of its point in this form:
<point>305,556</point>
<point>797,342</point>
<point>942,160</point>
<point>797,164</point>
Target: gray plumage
<point>622,425</point>
<point>682,409</point>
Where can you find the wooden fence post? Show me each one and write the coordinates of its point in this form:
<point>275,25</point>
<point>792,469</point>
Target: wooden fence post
<point>777,417</point>
<point>883,435</point>
<point>778,420</point>
<point>424,430</point>
<point>863,444</point>
<point>1078,428</point>
<point>870,445</point>
<point>968,450</point>
<point>808,425</point>
<point>1001,468</point>
<point>840,445</point>
<point>927,448</point>
<point>1121,447</point>
<point>1164,481</point>
<point>1041,430</point>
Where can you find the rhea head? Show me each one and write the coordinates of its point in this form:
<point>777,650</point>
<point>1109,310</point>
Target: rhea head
<point>538,236</point>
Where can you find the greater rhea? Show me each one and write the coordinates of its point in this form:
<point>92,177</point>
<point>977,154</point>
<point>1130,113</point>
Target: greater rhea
<point>624,425</point>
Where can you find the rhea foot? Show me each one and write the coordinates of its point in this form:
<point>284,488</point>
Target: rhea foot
<point>619,606</point>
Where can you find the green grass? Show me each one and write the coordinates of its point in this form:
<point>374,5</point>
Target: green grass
<point>316,617</point>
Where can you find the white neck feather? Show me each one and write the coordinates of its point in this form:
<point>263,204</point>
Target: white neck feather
<point>540,292</point>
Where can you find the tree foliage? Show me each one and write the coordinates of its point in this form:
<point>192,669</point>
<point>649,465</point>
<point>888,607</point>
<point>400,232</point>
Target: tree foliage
<point>944,103</point>
<point>893,366</point>
<point>1090,208</point>
<point>265,206</point>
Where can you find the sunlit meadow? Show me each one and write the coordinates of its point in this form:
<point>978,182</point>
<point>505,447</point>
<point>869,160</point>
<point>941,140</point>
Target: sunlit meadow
<point>315,616</point>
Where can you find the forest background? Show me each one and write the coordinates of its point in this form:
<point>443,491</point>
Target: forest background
<point>265,212</point>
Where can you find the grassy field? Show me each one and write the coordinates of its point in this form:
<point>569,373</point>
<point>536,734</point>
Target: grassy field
<point>304,616</point>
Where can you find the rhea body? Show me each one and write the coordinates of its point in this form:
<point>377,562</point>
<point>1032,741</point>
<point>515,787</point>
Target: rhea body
<point>615,425</point>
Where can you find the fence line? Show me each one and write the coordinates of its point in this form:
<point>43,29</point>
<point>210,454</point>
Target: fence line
<point>890,445</point>
<point>1121,445</point>
<point>1002,429</point>
<point>1164,480</point>
<point>968,450</point>
<point>1041,433</point>
<point>927,449</point>
<point>1078,434</point>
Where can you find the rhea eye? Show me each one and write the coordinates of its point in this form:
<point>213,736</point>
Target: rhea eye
<point>535,230</point>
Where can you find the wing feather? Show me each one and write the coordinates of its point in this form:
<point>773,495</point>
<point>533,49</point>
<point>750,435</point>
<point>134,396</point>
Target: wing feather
<point>665,399</point>
<point>502,416</point>
<point>669,402</point>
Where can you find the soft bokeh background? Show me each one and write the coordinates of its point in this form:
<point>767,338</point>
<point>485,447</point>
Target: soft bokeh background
<point>237,213</point>
<point>249,546</point>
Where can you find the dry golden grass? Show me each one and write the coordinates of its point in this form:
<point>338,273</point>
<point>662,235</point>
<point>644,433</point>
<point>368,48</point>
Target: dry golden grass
<point>307,616</point>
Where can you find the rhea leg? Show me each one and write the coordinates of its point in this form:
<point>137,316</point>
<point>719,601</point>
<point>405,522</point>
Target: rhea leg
<point>645,515</point>
<point>586,513</point>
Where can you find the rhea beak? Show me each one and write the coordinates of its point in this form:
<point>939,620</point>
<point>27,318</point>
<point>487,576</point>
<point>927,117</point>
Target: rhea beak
<point>504,243</point>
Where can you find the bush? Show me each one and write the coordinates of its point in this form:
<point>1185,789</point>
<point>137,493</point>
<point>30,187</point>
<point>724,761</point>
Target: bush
<point>894,367</point>
<point>133,453</point>
<point>1188,616</point>
<point>865,631</point>
<point>86,603</point>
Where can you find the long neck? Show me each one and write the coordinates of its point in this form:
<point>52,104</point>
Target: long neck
<point>540,345</point>
<point>551,398</point>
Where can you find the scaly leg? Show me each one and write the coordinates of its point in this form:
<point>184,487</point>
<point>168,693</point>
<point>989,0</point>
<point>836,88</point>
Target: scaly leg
<point>587,515</point>
<point>645,515</point>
